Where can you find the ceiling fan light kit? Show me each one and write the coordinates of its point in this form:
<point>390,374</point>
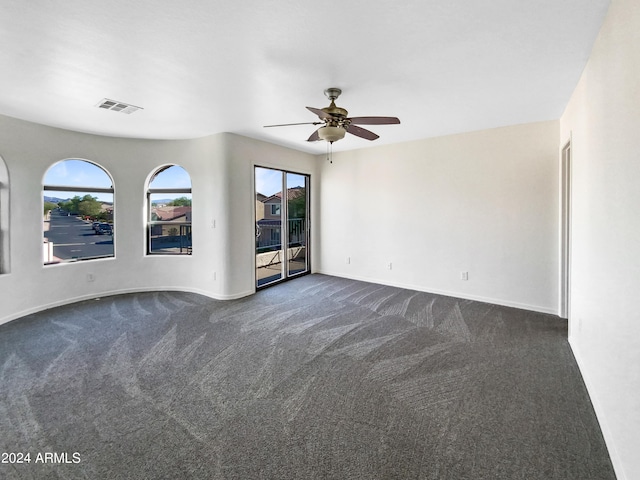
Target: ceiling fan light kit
<point>337,124</point>
<point>331,134</point>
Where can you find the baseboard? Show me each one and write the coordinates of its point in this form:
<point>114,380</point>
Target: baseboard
<point>421,288</point>
<point>600,415</point>
<point>90,296</point>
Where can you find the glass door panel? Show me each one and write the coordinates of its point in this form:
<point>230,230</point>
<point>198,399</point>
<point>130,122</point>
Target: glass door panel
<point>296,223</point>
<point>268,226</point>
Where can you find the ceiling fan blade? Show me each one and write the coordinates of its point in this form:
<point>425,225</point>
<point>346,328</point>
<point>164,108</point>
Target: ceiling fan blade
<point>290,124</point>
<point>321,113</point>
<point>361,132</point>
<point>374,120</point>
<point>314,137</point>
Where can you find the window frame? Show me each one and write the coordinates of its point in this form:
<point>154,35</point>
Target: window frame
<point>181,225</point>
<point>88,190</point>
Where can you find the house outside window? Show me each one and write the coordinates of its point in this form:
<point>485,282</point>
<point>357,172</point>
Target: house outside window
<point>270,226</point>
<point>169,212</point>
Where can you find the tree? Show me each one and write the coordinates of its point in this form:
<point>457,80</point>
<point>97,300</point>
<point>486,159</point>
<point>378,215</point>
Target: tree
<point>66,206</point>
<point>102,216</point>
<point>89,206</point>
<point>48,206</point>
<point>180,202</point>
<point>71,205</point>
<point>298,204</point>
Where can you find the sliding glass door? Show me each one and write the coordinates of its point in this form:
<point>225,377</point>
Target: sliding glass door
<point>282,225</point>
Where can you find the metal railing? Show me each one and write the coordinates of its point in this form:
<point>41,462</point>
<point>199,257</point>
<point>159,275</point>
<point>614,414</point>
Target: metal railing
<point>268,237</point>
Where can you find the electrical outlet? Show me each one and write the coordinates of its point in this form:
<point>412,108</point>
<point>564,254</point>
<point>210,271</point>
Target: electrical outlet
<point>90,277</point>
<point>464,275</point>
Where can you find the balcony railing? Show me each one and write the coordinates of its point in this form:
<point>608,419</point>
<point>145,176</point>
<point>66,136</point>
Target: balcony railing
<point>173,238</point>
<point>268,234</point>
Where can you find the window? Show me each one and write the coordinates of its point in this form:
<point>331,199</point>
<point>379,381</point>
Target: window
<point>169,212</point>
<point>78,212</point>
<point>275,209</point>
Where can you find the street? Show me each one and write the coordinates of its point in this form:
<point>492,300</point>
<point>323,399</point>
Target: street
<point>73,238</point>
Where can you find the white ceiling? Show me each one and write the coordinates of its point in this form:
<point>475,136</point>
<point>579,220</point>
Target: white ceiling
<point>199,67</point>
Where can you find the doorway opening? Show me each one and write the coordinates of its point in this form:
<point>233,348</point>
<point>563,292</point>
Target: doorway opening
<point>282,225</point>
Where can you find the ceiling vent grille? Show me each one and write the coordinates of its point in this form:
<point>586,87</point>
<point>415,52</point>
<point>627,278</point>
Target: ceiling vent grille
<point>117,106</point>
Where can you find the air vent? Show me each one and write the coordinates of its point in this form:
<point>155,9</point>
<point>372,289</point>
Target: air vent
<point>117,106</point>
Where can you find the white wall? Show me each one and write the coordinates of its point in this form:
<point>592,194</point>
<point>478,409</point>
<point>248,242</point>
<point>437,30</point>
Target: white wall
<point>243,154</point>
<point>483,202</point>
<point>220,169</point>
<point>603,120</point>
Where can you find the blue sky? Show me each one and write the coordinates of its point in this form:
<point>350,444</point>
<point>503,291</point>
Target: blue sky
<point>173,177</point>
<point>79,173</point>
<point>269,182</point>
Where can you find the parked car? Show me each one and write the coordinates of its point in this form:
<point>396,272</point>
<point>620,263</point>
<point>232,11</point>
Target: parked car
<point>95,225</point>
<point>104,229</point>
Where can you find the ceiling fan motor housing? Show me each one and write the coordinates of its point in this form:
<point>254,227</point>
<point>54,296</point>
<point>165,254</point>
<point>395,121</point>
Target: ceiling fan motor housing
<point>335,111</point>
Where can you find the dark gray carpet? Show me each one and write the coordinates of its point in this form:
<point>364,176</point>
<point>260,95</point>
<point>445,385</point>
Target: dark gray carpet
<point>317,378</point>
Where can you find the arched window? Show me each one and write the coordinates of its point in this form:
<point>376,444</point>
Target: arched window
<point>4,218</point>
<point>169,212</point>
<point>78,212</point>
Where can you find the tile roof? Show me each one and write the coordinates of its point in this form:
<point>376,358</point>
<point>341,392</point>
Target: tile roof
<point>292,193</point>
<point>168,213</point>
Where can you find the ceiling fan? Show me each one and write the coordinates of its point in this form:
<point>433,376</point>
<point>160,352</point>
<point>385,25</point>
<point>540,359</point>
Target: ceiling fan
<point>335,123</point>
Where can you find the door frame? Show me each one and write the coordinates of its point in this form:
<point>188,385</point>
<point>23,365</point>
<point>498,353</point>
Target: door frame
<point>284,214</point>
<point>564,296</point>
